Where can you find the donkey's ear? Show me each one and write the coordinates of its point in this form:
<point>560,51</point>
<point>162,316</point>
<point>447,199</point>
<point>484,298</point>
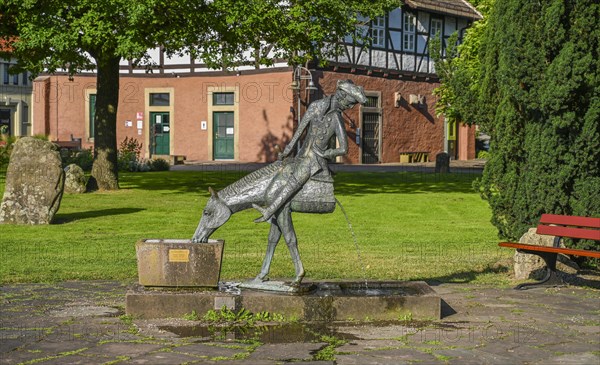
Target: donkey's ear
<point>212,192</point>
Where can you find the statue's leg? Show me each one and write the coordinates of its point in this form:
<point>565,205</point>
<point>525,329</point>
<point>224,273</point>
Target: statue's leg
<point>274,236</point>
<point>299,177</point>
<point>289,235</point>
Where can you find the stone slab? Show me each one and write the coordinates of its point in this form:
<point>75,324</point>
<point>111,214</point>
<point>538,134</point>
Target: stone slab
<point>331,301</point>
<point>179,263</point>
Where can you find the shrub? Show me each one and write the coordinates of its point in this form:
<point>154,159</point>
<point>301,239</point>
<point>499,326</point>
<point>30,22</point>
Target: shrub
<point>128,157</point>
<point>83,158</point>
<point>535,92</point>
<point>6,146</point>
<point>43,137</point>
<point>484,155</point>
<point>159,164</point>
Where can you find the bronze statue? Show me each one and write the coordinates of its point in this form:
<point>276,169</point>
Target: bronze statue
<point>300,184</point>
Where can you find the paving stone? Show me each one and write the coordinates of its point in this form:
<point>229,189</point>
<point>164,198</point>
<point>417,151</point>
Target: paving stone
<point>200,349</point>
<point>84,311</point>
<point>17,357</point>
<point>123,349</point>
<point>163,358</point>
<point>287,351</point>
<point>368,345</point>
<point>492,358</point>
<point>569,347</point>
<point>54,348</point>
<point>9,344</point>
<point>387,356</point>
<point>363,359</point>
<point>248,362</point>
<point>78,360</point>
<point>572,359</point>
<point>374,332</point>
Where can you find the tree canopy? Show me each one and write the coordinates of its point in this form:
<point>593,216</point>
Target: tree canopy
<point>530,77</point>
<point>76,35</point>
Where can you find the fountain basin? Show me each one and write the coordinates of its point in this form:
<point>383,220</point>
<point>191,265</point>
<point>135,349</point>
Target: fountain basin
<point>329,301</point>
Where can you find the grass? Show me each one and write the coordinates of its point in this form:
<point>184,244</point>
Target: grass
<point>409,226</point>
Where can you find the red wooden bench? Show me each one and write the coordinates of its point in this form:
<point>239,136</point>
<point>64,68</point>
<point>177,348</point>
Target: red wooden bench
<point>559,226</point>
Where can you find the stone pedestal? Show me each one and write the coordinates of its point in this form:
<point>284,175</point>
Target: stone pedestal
<point>179,263</point>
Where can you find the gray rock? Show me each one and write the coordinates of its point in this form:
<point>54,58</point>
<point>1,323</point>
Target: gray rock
<point>34,183</point>
<point>74,179</point>
<point>532,266</point>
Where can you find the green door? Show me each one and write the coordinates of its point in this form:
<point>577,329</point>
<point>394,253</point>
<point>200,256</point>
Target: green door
<point>223,135</point>
<point>160,130</point>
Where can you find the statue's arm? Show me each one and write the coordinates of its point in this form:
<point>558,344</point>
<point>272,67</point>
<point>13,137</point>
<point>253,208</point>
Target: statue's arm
<point>342,149</point>
<point>308,116</point>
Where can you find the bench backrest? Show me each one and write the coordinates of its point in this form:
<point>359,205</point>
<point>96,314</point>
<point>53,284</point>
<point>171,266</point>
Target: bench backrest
<point>570,226</point>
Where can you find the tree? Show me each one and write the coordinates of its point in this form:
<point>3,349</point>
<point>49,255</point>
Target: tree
<point>76,35</point>
<point>536,91</point>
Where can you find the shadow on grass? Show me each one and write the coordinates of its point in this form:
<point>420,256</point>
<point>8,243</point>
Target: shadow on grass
<point>71,217</point>
<point>356,184</point>
<point>467,276</point>
<point>180,181</point>
<point>365,183</point>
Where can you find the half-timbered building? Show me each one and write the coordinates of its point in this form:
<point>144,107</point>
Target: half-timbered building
<point>179,107</point>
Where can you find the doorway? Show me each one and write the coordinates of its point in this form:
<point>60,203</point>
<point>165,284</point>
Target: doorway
<point>370,135</point>
<point>5,124</point>
<point>223,135</point>
<point>160,133</point>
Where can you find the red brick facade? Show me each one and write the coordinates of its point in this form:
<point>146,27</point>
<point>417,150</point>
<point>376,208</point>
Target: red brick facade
<point>264,111</point>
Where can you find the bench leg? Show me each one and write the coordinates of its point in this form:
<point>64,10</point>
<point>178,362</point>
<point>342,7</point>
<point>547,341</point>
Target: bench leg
<point>551,279</point>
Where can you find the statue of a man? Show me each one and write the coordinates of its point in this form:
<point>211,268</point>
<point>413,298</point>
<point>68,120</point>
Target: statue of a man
<point>322,120</point>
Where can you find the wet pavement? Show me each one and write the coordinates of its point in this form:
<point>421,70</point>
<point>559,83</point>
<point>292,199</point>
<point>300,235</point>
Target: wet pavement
<point>83,322</point>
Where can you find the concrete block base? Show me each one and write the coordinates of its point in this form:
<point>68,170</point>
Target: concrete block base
<point>331,301</point>
<point>179,263</point>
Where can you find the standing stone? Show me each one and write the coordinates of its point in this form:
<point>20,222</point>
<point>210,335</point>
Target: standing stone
<point>532,266</point>
<point>34,183</point>
<point>442,163</point>
<point>74,179</point>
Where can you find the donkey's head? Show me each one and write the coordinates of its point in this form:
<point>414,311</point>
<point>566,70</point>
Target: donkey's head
<point>215,214</point>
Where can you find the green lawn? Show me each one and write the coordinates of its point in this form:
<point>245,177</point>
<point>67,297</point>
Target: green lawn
<point>408,226</point>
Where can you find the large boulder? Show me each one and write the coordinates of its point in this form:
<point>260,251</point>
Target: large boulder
<point>532,266</point>
<point>74,179</point>
<point>34,183</point>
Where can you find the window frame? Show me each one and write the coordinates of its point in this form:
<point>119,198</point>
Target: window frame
<point>378,38</point>
<point>153,101</point>
<point>226,94</point>
<point>408,31</point>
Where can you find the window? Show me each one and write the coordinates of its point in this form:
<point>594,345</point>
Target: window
<point>408,41</point>
<point>223,99</point>
<point>160,99</point>
<point>15,79</point>
<point>436,28</point>
<point>25,78</point>
<point>6,77</point>
<point>378,32</point>
<point>92,110</point>
<point>372,101</point>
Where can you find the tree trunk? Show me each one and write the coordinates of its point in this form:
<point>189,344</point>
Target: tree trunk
<point>105,175</point>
